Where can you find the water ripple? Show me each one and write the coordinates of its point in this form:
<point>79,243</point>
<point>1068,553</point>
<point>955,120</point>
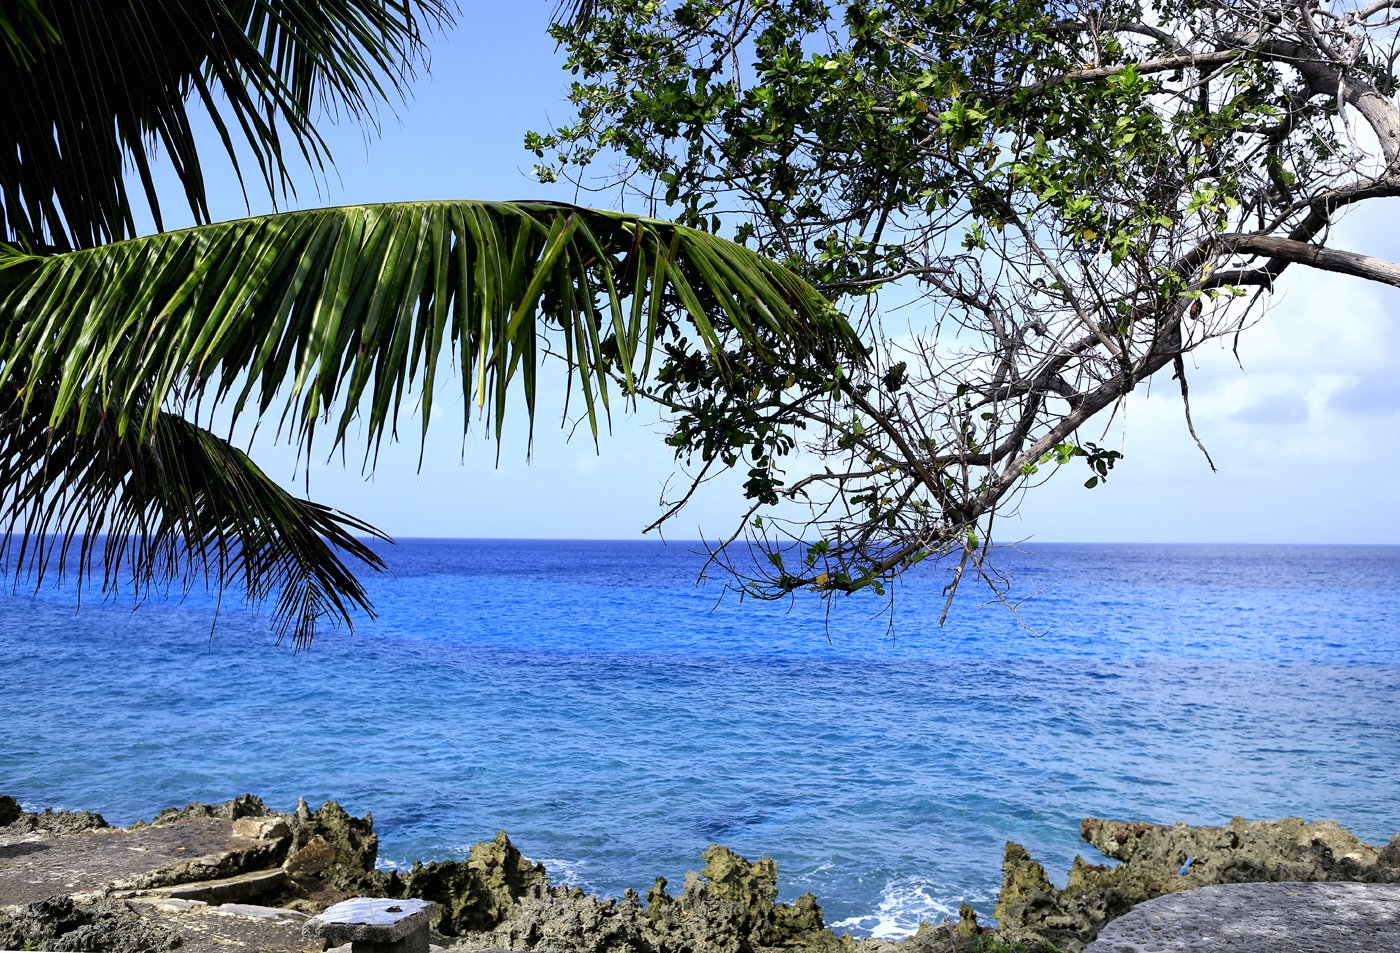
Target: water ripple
<point>590,700</point>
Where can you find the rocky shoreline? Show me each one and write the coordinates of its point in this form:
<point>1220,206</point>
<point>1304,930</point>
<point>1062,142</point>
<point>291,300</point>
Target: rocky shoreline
<point>239,876</point>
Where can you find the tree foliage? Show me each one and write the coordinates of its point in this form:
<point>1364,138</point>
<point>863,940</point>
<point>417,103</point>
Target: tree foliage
<point>1076,194</point>
<point>118,352</point>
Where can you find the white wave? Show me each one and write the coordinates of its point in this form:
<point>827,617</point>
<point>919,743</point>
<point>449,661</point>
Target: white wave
<point>568,872</point>
<point>904,904</point>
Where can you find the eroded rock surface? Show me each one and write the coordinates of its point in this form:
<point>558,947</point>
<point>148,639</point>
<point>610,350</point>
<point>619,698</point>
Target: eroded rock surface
<point>497,899</point>
<point>15,821</point>
<point>1261,918</point>
<point>245,805</point>
<point>733,905</point>
<point>236,849</point>
<point>342,847</point>
<point>61,923</point>
<point>475,894</point>
<point>1159,859</point>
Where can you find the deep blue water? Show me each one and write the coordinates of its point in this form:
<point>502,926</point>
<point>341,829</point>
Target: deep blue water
<point>615,719</point>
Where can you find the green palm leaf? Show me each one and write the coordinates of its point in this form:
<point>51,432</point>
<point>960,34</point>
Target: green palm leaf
<point>181,507</point>
<point>338,315</point>
<point>354,306</point>
<point>94,91</point>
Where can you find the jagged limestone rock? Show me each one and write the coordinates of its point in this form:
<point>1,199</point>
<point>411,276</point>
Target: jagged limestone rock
<point>61,924</point>
<point>475,894</point>
<point>49,821</point>
<point>731,907</point>
<point>941,937</point>
<point>353,840</point>
<point>496,899</point>
<point>1160,859</point>
<point>1241,852</point>
<point>244,805</point>
<point>967,922</point>
<point>1026,892</point>
<point>567,919</point>
<point>753,887</point>
<point>1390,854</point>
<point>657,900</point>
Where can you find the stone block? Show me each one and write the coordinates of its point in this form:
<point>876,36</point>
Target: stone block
<point>375,925</point>
<point>228,889</point>
<point>261,828</point>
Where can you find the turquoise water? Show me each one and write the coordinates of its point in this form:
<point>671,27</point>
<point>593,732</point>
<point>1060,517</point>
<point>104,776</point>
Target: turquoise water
<point>615,718</point>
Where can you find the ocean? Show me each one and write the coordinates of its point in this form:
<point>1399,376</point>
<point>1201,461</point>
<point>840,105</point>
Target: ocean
<point>615,718</point>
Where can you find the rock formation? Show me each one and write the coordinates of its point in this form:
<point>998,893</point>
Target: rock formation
<point>70,882</point>
<point>337,848</point>
<point>60,923</point>
<point>15,821</point>
<point>1157,859</point>
<point>475,894</point>
<point>496,899</point>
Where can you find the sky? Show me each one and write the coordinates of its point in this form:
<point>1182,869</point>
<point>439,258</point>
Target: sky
<point>1303,429</point>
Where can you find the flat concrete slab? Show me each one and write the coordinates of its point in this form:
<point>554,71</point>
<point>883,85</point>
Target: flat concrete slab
<point>375,925</point>
<point>236,928</point>
<point>1261,918</point>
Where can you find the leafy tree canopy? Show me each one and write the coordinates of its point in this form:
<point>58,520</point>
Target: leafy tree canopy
<point>1080,194</point>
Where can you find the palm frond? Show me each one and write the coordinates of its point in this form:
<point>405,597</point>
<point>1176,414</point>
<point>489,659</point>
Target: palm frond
<point>332,318</point>
<point>92,88</point>
<point>26,34</point>
<point>575,14</point>
<point>339,313</point>
<point>176,508</point>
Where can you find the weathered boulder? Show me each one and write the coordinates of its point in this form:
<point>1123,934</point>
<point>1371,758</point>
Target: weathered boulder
<point>60,923</point>
<point>315,858</point>
<point>219,850</point>
<point>270,828</point>
<point>1158,859</point>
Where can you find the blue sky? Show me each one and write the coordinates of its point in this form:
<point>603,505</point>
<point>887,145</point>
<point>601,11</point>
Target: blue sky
<point>1304,435</point>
